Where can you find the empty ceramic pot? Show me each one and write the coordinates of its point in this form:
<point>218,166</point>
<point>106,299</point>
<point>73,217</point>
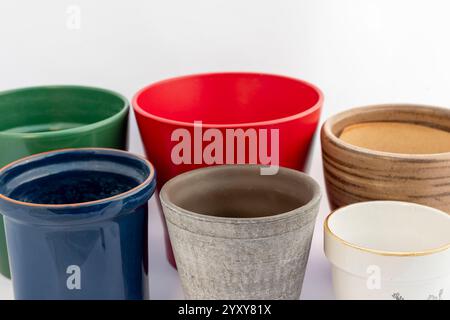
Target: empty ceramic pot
<point>226,118</point>
<point>40,119</point>
<point>388,152</point>
<point>76,224</point>
<point>238,234</point>
<point>389,250</point>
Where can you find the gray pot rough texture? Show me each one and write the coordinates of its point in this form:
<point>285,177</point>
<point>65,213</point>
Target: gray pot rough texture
<point>237,234</point>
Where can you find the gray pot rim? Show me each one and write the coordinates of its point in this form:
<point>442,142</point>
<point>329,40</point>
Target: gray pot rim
<point>317,195</point>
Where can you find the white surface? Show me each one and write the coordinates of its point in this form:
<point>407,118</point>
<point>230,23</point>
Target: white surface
<point>358,51</point>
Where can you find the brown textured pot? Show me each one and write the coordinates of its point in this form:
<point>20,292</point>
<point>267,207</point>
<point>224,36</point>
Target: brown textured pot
<point>355,174</point>
<point>237,234</point>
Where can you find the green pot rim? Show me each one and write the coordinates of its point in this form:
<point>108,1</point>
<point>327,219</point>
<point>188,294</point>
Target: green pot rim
<point>70,131</point>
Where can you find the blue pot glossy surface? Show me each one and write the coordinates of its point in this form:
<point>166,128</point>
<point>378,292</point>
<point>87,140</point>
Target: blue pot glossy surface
<point>76,224</point>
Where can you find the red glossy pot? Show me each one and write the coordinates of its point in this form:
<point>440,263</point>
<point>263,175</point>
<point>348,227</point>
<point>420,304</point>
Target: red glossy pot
<point>218,118</point>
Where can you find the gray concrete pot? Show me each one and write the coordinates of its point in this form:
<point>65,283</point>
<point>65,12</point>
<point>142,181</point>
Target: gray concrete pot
<point>237,234</point>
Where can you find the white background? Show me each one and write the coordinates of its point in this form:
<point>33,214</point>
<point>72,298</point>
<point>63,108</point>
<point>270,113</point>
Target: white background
<point>358,51</point>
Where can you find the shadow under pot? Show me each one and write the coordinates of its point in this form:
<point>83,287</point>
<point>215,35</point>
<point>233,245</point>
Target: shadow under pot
<point>40,119</point>
<point>388,152</point>
<point>76,224</point>
<point>238,234</point>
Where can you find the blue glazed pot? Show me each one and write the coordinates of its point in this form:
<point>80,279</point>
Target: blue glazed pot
<point>76,224</point>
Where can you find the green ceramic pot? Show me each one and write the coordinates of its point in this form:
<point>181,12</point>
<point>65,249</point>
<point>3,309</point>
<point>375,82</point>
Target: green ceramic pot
<point>39,119</point>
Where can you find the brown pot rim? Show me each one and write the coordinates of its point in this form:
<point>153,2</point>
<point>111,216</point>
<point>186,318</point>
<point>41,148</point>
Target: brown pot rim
<point>327,132</point>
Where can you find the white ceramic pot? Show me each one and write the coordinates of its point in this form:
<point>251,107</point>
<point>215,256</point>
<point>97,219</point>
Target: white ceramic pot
<point>389,250</point>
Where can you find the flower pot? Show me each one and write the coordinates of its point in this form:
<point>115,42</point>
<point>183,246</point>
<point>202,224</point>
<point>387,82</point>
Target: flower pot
<point>357,174</point>
<point>238,234</point>
<point>389,250</point>
<point>76,224</point>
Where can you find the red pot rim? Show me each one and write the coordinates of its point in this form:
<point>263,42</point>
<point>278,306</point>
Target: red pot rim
<point>315,107</point>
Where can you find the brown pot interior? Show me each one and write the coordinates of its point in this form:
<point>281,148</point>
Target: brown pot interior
<point>436,118</point>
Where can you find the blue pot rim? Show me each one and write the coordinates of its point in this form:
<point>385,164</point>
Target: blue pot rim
<point>89,211</point>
